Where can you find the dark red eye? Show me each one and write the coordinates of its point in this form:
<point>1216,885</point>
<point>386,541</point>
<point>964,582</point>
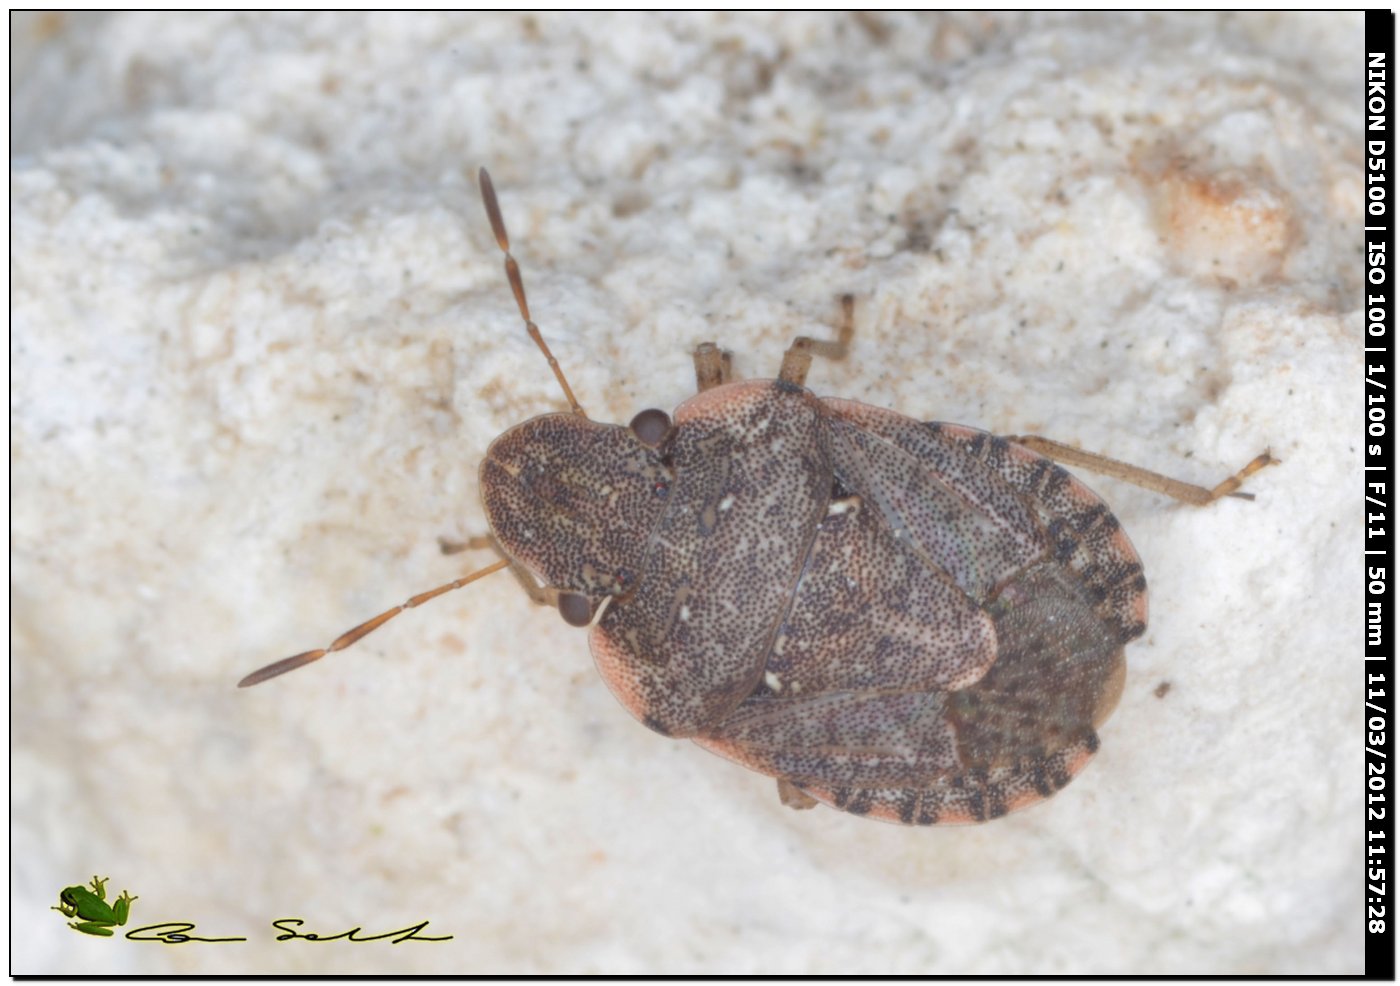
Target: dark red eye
<point>650,426</point>
<point>575,609</point>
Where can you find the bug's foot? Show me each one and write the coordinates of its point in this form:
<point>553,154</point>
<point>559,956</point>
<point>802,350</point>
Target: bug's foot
<point>794,797</point>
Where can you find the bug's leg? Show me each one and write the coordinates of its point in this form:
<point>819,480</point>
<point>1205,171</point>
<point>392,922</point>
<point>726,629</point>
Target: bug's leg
<point>794,797</point>
<point>476,541</point>
<point>711,366</point>
<point>798,358</point>
<point>538,596</point>
<point>1197,496</point>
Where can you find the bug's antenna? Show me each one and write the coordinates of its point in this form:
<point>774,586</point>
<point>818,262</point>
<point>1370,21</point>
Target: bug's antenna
<point>364,629</point>
<point>498,226</point>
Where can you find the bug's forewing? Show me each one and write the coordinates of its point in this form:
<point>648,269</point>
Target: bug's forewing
<point>872,610</point>
<point>752,483</point>
<point>1029,551</point>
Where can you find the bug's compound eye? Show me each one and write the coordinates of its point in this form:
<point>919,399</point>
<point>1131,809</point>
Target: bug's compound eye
<point>651,426</point>
<point>575,608</point>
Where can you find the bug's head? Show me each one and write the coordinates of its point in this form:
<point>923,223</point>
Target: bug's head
<point>575,501</point>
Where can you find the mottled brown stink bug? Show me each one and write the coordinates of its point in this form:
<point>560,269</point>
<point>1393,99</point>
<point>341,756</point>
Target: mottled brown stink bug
<point>923,623</point>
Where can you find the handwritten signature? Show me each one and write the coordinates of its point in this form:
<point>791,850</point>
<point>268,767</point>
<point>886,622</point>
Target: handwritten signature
<point>178,933</point>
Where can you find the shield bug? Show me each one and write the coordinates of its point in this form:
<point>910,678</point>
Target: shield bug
<point>919,622</point>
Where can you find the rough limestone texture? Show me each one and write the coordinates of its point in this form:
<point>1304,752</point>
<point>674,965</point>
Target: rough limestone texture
<point>261,340</point>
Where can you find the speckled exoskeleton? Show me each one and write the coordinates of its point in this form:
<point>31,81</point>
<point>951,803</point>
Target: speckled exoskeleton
<point>919,622</point>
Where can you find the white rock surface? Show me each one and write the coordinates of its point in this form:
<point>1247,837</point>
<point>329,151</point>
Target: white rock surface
<point>261,339</point>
